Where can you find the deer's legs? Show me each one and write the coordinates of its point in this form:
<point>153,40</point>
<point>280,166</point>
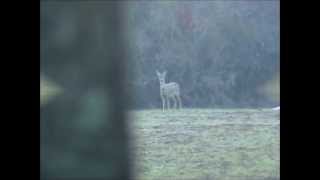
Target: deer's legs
<point>175,102</point>
<point>163,103</point>
<point>168,103</point>
<point>179,101</point>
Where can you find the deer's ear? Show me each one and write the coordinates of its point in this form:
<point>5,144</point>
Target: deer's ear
<point>157,72</point>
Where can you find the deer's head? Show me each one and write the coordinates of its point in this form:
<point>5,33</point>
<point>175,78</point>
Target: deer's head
<point>161,76</point>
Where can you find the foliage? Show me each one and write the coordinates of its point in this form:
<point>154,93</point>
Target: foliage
<point>219,52</point>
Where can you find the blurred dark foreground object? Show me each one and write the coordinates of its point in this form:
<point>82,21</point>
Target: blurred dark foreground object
<point>83,129</point>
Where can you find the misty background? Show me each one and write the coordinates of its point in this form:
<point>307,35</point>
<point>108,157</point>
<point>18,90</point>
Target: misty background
<point>220,52</point>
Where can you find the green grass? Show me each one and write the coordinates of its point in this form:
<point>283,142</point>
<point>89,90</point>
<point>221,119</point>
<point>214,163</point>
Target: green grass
<point>206,144</point>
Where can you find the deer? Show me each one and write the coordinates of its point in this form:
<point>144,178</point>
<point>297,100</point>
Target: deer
<point>168,91</point>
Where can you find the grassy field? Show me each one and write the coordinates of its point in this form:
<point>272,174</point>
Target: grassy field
<point>239,144</point>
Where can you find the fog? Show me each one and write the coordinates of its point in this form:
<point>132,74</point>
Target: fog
<point>220,52</point>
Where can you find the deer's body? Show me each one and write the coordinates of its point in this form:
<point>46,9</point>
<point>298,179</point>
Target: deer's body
<point>169,91</point>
